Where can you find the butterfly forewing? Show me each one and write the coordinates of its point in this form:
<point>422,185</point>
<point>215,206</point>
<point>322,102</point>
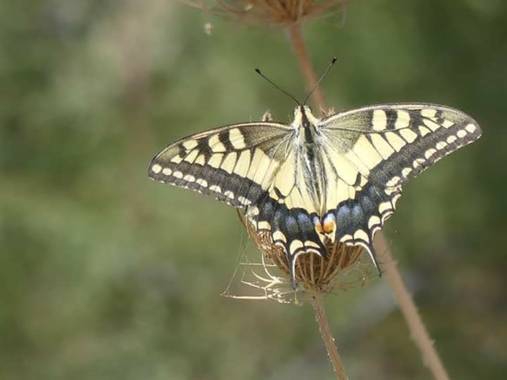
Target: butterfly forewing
<point>384,146</point>
<point>234,164</point>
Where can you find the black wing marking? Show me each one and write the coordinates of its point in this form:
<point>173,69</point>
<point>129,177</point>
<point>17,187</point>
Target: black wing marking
<point>234,164</point>
<point>244,166</point>
<point>387,145</point>
<point>250,167</point>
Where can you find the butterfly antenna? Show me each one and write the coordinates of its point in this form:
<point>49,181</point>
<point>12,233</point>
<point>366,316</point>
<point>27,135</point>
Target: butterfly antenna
<point>320,79</point>
<point>277,87</point>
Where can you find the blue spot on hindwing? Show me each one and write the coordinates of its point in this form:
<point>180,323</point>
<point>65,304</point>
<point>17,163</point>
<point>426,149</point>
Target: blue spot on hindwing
<point>292,227</point>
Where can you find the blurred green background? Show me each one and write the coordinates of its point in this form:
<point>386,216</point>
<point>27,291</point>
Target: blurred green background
<point>105,274</point>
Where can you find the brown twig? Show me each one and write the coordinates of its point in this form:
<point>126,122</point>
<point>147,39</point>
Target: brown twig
<point>418,331</point>
<point>327,336</point>
<point>298,44</point>
<point>415,324</point>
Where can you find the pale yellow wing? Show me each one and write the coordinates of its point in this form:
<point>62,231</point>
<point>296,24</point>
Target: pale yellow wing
<point>234,164</point>
<point>371,152</point>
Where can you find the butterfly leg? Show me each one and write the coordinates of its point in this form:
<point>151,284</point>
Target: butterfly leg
<point>327,111</point>
<point>266,117</point>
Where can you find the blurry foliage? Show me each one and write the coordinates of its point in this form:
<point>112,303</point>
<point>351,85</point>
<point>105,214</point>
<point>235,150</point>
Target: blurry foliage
<point>106,275</point>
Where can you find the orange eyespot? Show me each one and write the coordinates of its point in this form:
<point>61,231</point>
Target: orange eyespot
<point>329,225</point>
<point>318,226</point>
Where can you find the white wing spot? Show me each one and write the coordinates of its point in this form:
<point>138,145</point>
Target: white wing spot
<point>178,174</point>
<point>402,120</point>
<point>243,164</point>
<point>189,178</point>
<point>279,236</point>
<point>379,120</point>
<point>423,130</point>
<point>447,124</point>
<point>156,168</point>
<point>229,194</point>
<point>200,160</point>
<point>215,160</point>
<point>361,235</point>
<point>215,188</point>
<point>176,159</point>
<point>431,124</point>
<point>430,152</point>
<point>471,128</point>
<point>396,198</point>
<point>384,206</point>
<point>244,200</point>
<point>451,139</point>
<point>346,238</point>
<point>461,133</point>
<point>263,225</point>
<point>373,221</point>
<point>396,141</point>
<point>392,190</point>
<point>295,245</point>
<point>166,171</point>
<point>428,112</point>
<point>393,181</point>
<point>253,211</point>
<point>408,135</point>
<point>406,171</point>
<point>191,156</point>
<point>189,144</point>
<point>417,162</point>
<point>202,182</point>
<point>381,145</point>
<point>236,138</point>
<point>311,244</point>
<point>387,215</point>
<point>441,145</point>
<point>215,144</point>
<point>229,162</point>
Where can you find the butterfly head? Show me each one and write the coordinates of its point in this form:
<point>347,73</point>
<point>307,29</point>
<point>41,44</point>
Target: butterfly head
<point>303,117</point>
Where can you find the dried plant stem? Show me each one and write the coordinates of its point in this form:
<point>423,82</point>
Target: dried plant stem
<point>418,331</point>
<point>327,337</point>
<point>415,324</point>
<point>298,44</point>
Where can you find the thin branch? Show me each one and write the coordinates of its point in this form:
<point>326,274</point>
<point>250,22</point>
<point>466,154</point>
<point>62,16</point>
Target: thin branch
<point>327,336</point>
<point>418,330</point>
<point>298,44</point>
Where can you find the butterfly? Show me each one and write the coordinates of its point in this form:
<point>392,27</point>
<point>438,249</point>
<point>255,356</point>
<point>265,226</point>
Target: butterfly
<point>316,180</point>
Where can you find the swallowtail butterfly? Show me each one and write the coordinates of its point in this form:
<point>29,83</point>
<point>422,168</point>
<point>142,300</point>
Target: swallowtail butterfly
<point>332,179</point>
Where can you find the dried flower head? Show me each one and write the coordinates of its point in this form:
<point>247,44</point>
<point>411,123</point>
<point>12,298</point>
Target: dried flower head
<point>275,12</point>
<point>312,272</point>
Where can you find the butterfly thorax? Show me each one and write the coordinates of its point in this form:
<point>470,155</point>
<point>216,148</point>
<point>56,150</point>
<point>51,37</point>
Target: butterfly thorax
<point>309,158</point>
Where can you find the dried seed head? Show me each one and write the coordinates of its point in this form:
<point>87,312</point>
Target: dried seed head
<point>313,272</point>
<point>275,12</point>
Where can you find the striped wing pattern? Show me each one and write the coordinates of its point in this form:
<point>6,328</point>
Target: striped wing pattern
<point>234,164</point>
<point>379,148</point>
<point>343,186</point>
